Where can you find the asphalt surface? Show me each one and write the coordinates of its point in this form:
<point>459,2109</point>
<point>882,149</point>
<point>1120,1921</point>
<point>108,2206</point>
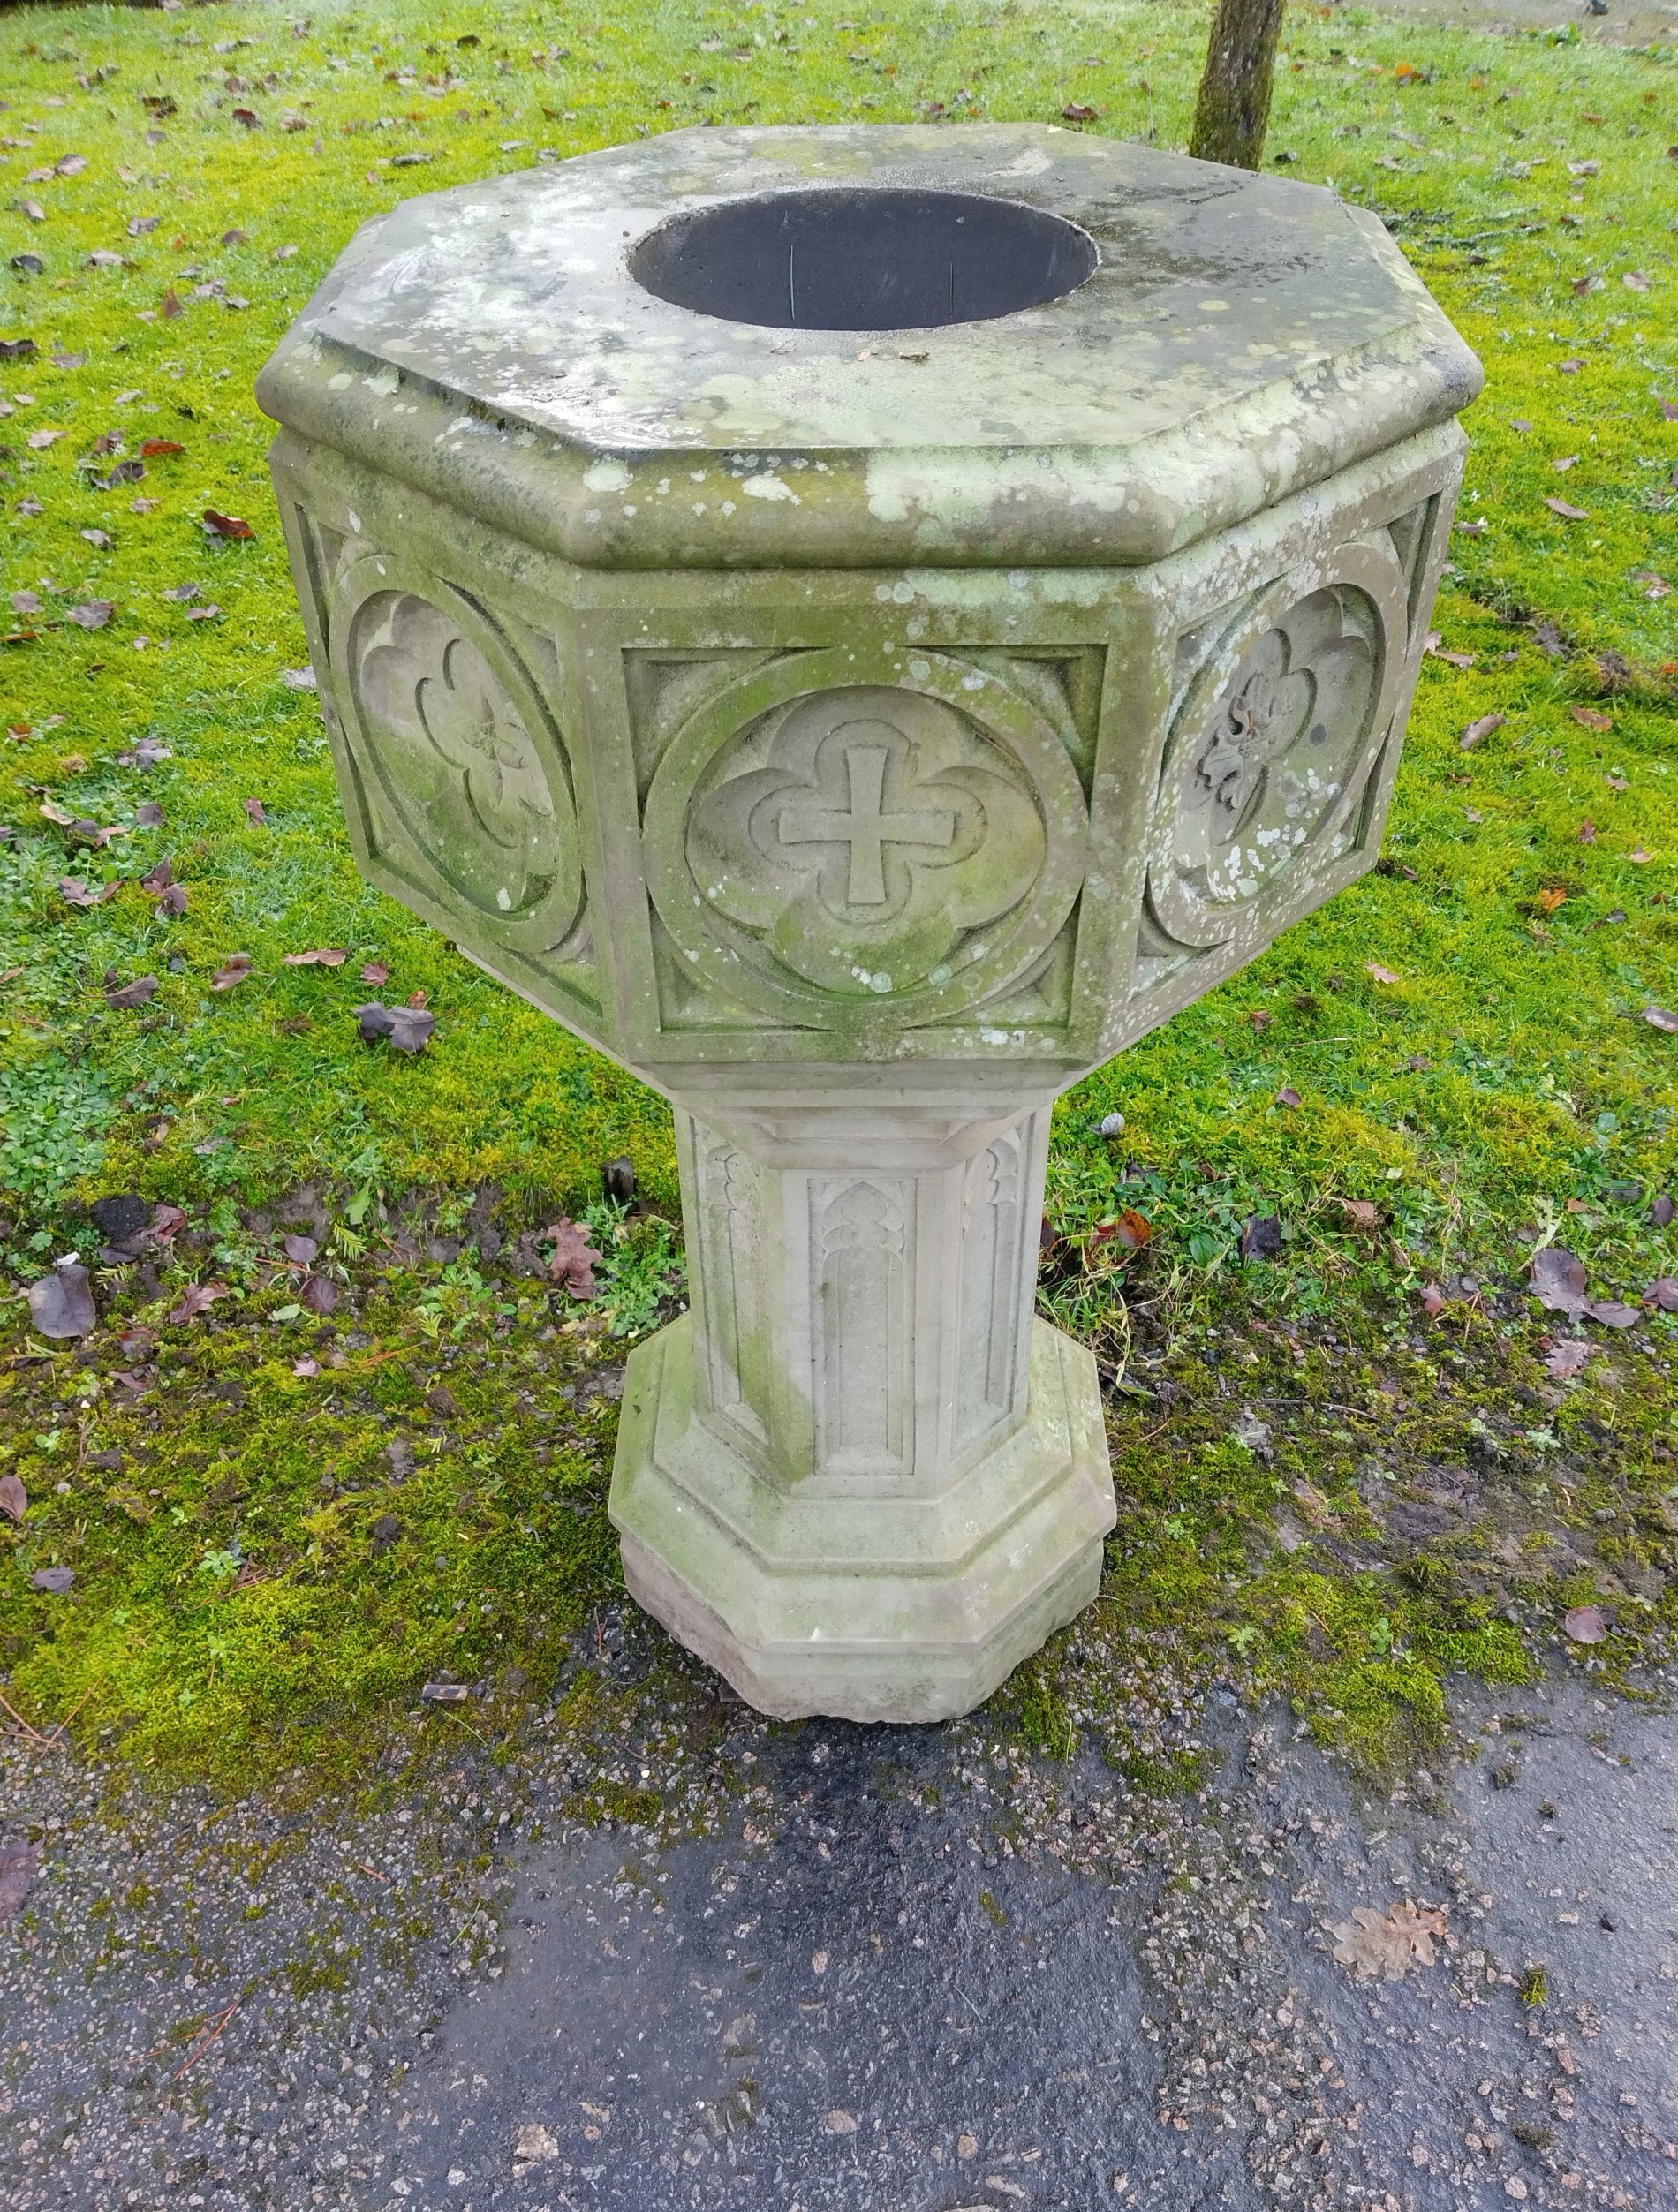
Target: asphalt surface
<point>903,1969</point>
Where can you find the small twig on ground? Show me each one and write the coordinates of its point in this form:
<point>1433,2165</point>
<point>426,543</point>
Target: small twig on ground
<point>205,2040</point>
<point>1328,1405</point>
<point>33,1734</point>
<point>71,1715</point>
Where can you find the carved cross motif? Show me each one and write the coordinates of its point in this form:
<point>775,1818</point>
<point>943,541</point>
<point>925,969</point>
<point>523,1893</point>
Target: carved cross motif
<point>867,828</point>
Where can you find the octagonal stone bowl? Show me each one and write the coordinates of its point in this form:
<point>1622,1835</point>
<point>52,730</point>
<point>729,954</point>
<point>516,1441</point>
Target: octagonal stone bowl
<point>861,624</point>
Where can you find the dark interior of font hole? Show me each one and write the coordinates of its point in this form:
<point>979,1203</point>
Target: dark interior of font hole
<point>877,259</point>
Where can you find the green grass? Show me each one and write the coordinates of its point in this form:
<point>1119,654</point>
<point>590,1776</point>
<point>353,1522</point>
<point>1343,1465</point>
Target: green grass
<point>1504,1085</point>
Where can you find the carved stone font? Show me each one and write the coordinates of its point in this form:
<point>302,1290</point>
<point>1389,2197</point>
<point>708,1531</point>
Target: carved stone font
<point>862,692</point>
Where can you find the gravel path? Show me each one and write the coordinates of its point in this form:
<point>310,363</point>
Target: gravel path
<point>871,1969</point>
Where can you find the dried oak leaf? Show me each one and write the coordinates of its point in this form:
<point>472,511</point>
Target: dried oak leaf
<point>1568,1359</point>
<point>1390,1943</point>
<point>326,956</point>
<point>94,615</point>
<point>375,972</point>
<point>14,1499</point>
<point>1077,111</point>
<point>199,1298</point>
<point>234,971</point>
<point>1568,512</point>
<point>1362,1214</point>
<point>220,525</point>
<point>159,449</point>
<point>1591,717</point>
<point>574,1258</point>
<point>61,1304</point>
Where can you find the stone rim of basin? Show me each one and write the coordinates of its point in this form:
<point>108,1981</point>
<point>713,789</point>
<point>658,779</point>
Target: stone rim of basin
<point>1204,371</point>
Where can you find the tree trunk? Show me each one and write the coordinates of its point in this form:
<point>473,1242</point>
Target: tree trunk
<point>1233,110</point>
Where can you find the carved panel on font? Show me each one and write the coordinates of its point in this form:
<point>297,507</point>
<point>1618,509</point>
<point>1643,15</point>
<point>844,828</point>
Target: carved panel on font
<point>853,854</point>
<point>862,1244</point>
<point>992,1285</point>
<point>1280,728</point>
<point>461,778</point>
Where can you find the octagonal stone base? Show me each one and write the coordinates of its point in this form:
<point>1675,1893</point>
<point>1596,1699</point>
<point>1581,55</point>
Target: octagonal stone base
<point>898,1608</point>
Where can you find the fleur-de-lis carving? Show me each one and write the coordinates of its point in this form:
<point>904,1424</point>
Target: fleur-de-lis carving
<point>1259,721</point>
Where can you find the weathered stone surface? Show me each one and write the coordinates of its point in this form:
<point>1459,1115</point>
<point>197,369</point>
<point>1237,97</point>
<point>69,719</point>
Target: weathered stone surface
<point>861,733</point>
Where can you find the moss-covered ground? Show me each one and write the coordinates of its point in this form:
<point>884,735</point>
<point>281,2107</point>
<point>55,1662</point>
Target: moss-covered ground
<point>1344,1469</point>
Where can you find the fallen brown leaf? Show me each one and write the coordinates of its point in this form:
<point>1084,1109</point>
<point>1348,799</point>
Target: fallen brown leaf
<point>408,1027</point>
<point>1392,1942</point>
<point>1567,1358</point>
<point>129,995</point>
<point>74,891</point>
<point>1480,730</point>
<point>1585,1624</point>
<point>574,1258</point>
<point>19,1861</point>
<point>1568,512</point>
<point>61,1304</point>
<point>234,970</point>
<point>199,1298</point>
<point>220,525</point>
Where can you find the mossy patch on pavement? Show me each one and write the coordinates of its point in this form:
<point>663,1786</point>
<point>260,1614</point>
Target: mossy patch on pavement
<point>1466,1034</point>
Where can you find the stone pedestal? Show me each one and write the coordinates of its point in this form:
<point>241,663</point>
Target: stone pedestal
<point>861,624</point>
<point>859,1477</point>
